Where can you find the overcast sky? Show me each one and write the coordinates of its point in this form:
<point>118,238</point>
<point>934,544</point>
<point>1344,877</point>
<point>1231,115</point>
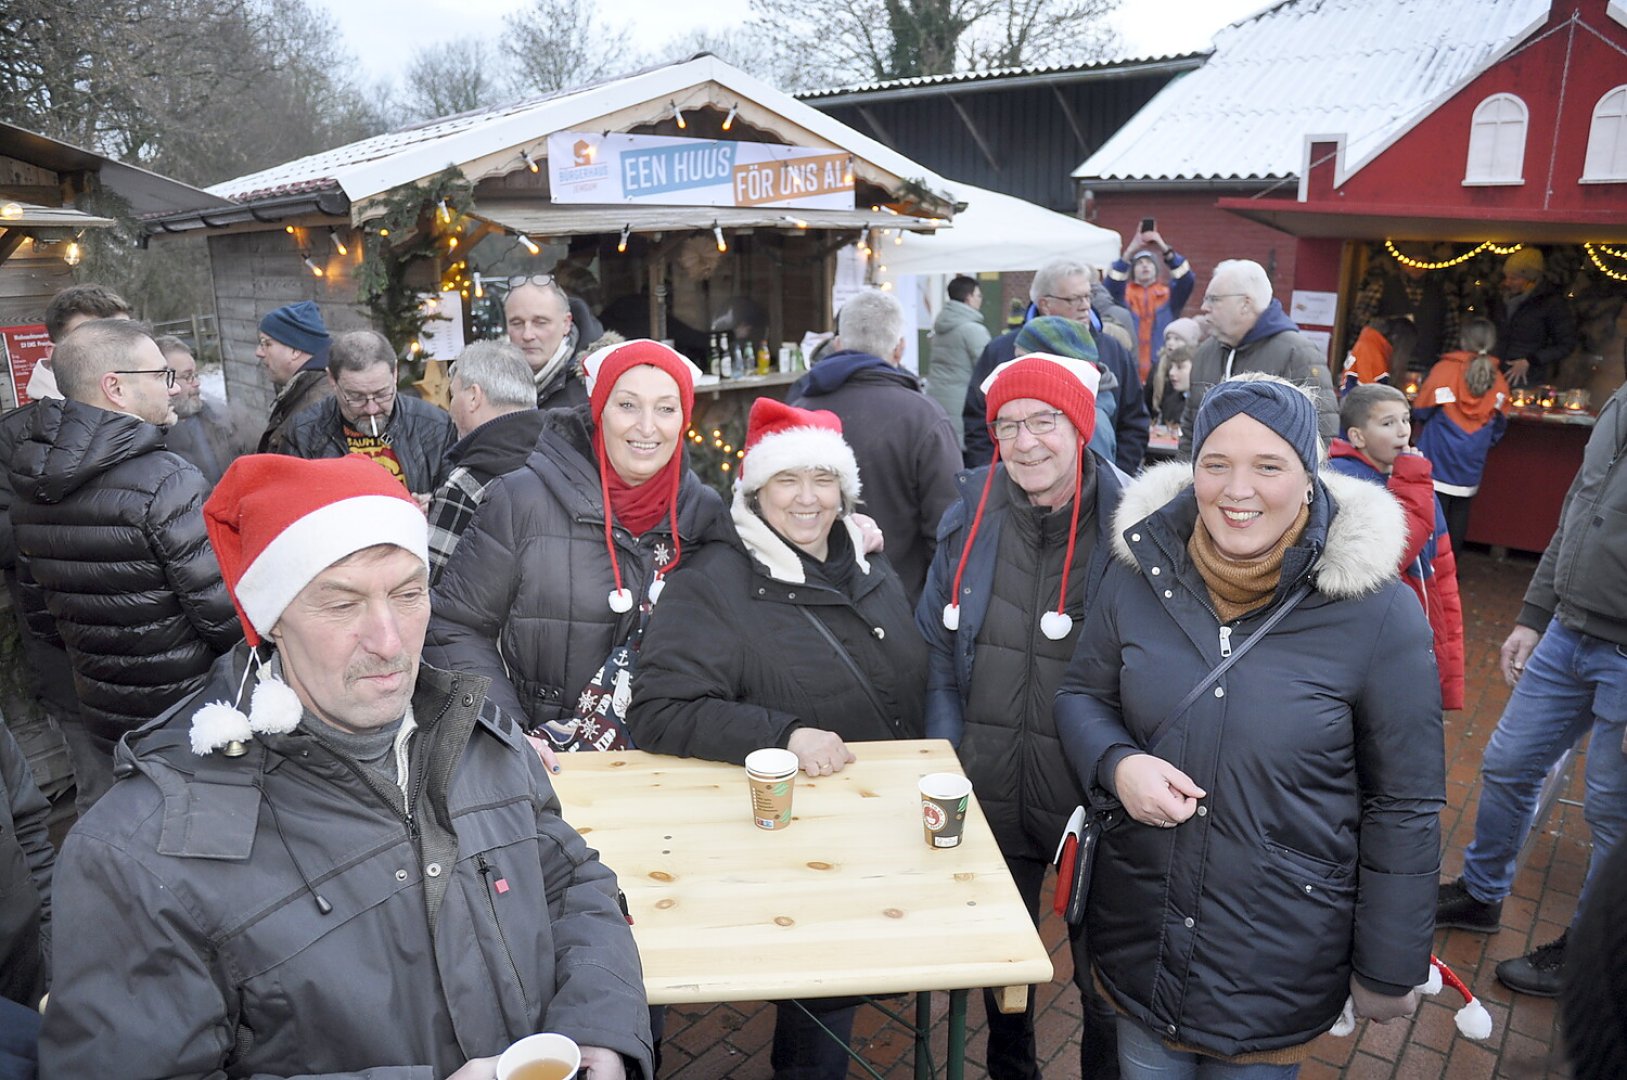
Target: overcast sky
<point>384,33</point>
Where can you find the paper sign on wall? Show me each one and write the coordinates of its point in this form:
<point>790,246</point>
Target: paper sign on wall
<point>24,346</point>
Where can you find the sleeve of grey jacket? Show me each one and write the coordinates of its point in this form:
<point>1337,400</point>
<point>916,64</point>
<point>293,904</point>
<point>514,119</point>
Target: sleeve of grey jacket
<point>945,717</point>
<point>1308,367</point>
<point>598,997</point>
<point>1088,712</point>
<point>30,815</point>
<point>175,531</point>
<point>1401,775</point>
<point>690,680</point>
<point>136,996</point>
<point>937,461</point>
<point>470,604</point>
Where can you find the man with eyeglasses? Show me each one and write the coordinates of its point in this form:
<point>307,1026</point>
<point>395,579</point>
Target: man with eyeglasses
<point>1020,554</point>
<point>203,432</point>
<point>409,438</point>
<point>111,552</point>
<point>554,332</point>
<point>1065,287</point>
<point>1251,332</point>
<point>293,346</point>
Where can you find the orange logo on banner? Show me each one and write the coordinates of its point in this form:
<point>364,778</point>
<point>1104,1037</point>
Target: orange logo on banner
<point>582,152</point>
<point>779,181</point>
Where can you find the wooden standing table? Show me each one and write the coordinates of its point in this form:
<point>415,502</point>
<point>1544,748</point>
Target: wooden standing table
<point>849,900</point>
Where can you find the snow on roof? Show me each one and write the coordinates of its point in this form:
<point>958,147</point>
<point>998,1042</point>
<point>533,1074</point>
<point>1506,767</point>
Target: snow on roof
<point>1117,65</point>
<point>371,166</point>
<point>1367,69</point>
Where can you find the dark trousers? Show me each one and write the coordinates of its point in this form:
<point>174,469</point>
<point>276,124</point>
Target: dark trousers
<point>1456,509</point>
<point>802,1051</point>
<point>1011,1051</point>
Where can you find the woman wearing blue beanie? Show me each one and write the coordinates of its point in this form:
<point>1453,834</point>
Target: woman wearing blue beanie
<point>1254,713</point>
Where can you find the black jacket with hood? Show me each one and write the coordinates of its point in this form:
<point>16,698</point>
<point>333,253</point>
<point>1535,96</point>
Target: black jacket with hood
<point>114,562</point>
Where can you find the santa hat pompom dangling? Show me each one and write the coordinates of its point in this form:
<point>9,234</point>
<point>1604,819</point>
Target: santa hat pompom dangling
<point>275,708</point>
<point>218,724</point>
<point>1055,624</point>
<point>951,617</point>
<point>621,601</point>
<point>1472,1020</point>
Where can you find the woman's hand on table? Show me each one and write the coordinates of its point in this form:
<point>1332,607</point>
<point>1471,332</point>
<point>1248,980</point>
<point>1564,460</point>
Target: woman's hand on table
<point>1154,792</point>
<point>599,1063</point>
<point>819,752</point>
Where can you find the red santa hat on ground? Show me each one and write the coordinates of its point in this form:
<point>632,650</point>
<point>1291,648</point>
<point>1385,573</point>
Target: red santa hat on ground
<point>781,437</point>
<point>1069,386</point>
<point>276,522</point>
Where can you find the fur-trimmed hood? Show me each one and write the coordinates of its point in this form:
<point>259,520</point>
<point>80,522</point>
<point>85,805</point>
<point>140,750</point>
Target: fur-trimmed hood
<point>1366,535</point>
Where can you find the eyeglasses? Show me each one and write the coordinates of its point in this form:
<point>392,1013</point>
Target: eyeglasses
<point>541,280</point>
<point>168,373</point>
<point>1209,300</point>
<point>1071,301</point>
<point>1041,423</point>
<point>361,401</point>
<point>190,380</point>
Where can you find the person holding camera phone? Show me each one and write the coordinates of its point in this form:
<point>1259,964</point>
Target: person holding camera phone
<point>1133,281</point>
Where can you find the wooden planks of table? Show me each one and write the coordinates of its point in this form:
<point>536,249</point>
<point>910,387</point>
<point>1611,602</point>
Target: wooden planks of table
<point>849,900</point>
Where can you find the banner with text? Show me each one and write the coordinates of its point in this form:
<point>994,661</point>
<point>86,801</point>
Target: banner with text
<point>658,170</point>
<point>25,346</point>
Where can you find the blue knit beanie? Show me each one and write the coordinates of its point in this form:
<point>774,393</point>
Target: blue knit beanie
<point>298,326</point>
<point>1279,405</point>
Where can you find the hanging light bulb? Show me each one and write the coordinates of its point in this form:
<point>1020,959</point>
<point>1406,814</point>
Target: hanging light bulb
<point>480,287</point>
<point>621,245</point>
<point>717,231</point>
<point>728,121</point>
<point>315,270</point>
<point>678,115</point>
<point>446,213</point>
<point>289,229</point>
<point>529,163</point>
<point>451,243</point>
<point>72,253</point>
<point>384,232</point>
<point>338,244</point>
<point>11,211</point>
<point>530,244</point>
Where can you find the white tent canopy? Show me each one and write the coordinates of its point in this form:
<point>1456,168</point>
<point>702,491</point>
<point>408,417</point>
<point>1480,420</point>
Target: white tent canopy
<point>999,233</point>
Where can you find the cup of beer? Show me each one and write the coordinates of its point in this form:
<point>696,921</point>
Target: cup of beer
<point>540,1057</point>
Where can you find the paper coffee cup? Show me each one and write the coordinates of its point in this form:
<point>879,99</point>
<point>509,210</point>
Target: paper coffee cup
<point>771,773</point>
<point>540,1057</point>
<point>944,798</point>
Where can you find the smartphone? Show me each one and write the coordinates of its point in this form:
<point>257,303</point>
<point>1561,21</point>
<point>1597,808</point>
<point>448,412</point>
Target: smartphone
<point>1148,225</point>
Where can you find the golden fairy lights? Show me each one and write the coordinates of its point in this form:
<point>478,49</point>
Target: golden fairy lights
<point>1593,251</point>
<point>1446,264</point>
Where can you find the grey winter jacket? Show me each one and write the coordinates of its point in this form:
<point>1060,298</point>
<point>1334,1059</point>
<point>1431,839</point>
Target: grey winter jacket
<point>524,599</point>
<point>114,563</point>
<point>26,860</point>
<point>1315,852</point>
<point>277,915</point>
<point>958,339</point>
<point>418,432</point>
<point>1274,345</point>
<point>1582,578</point>
<point>1011,754</point>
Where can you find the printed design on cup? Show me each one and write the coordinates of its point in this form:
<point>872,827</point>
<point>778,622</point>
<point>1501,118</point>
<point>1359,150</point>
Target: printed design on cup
<point>771,776</point>
<point>945,798</point>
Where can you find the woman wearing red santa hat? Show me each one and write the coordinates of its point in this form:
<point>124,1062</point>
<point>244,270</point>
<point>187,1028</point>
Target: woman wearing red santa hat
<point>548,591</point>
<point>786,634</point>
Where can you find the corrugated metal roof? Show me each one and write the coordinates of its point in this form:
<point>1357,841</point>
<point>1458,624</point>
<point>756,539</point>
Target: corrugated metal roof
<point>1365,69</point>
<point>371,166</point>
<point>1104,67</point>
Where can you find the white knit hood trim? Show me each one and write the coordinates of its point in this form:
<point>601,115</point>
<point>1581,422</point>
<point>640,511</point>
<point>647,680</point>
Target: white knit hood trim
<point>781,558</point>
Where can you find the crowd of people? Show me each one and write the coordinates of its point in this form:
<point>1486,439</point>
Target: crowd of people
<point>316,669</point>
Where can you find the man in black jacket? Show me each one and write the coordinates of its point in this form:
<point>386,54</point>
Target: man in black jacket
<point>111,555</point>
<point>26,860</point>
<point>365,415</point>
<point>1535,328</point>
<point>293,346</point>
<point>494,408</point>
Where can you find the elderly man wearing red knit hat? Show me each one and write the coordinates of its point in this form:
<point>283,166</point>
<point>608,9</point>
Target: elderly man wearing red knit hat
<point>333,860</point>
<point>1019,556</point>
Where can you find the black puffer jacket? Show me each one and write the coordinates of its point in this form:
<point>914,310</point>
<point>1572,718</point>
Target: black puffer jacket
<point>1315,850</point>
<point>524,600</point>
<point>418,432</point>
<point>733,661</point>
<point>114,562</point>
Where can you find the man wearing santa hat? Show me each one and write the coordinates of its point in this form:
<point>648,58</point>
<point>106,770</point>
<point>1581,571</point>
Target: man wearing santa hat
<point>334,860</point>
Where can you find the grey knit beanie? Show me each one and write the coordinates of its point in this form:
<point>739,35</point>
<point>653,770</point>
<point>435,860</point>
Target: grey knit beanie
<point>1276,403</point>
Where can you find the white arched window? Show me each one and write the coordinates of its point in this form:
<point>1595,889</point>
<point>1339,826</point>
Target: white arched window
<point>1497,142</point>
<point>1607,140</point>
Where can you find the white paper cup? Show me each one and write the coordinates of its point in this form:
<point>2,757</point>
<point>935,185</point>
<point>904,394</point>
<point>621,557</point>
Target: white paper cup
<point>540,1057</point>
<point>944,799</point>
<point>771,774</point>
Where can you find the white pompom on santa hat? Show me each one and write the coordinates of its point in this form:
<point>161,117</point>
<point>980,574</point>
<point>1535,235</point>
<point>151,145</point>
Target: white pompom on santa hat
<point>276,522</point>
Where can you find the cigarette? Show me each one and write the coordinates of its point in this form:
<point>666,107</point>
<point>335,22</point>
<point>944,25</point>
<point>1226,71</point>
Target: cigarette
<point>373,422</point>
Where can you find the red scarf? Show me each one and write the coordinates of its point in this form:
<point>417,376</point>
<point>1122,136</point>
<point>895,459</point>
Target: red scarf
<point>639,507</point>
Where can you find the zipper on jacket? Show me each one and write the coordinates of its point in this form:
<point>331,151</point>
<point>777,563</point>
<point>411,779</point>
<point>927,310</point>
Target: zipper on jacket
<point>491,906</point>
<point>1225,641</point>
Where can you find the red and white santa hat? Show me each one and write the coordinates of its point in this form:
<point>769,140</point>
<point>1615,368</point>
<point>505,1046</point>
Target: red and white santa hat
<point>781,437</point>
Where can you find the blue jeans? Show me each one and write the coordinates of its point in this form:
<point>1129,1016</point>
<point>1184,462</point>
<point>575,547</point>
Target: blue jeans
<point>1571,683</point>
<point>1143,1056</point>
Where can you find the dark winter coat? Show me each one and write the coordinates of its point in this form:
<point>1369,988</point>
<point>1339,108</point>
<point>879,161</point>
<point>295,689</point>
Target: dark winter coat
<point>1130,420</point>
<point>905,447</point>
<point>459,920</point>
<point>207,439</point>
<point>308,386</point>
<point>1541,329</point>
<point>26,860</point>
<point>1316,850</point>
<point>1010,751</point>
<point>524,600</point>
<point>115,564</point>
<point>733,662</point>
<point>1275,346</point>
<point>418,432</point>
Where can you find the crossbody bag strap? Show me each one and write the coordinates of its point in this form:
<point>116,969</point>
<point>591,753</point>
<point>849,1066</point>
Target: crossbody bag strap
<point>1225,664</point>
<point>853,668</point>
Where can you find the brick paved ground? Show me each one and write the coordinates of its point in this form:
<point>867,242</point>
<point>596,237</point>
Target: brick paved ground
<point>731,1041</point>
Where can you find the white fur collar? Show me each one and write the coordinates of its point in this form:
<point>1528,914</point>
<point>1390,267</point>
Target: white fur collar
<point>1365,540</point>
<point>781,558</point>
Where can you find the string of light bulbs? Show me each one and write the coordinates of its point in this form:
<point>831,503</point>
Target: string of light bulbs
<point>1593,254</point>
<point>1420,264</point>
